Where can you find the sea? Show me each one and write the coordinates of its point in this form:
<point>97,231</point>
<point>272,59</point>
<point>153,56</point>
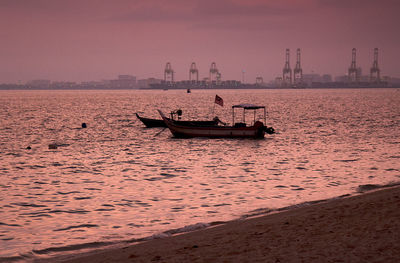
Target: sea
<point>66,190</point>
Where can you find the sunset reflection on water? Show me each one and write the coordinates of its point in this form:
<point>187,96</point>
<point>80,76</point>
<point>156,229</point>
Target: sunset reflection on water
<point>116,180</point>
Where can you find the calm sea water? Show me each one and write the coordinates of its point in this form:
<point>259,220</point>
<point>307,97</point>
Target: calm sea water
<point>116,180</point>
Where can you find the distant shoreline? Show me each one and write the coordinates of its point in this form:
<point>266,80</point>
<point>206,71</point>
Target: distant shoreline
<point>152,89</point>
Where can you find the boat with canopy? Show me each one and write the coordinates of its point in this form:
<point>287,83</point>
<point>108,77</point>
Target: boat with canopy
<point>255,130</point>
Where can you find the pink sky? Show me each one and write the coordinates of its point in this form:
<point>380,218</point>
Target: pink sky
<point>81,40</point>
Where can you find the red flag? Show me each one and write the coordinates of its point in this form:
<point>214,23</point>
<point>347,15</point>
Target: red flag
<point>219,100</point>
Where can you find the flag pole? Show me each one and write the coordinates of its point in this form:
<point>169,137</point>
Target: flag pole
<point>213,110</point>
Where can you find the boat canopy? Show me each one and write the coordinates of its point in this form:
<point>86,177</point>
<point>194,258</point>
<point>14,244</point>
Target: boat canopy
<point>248,106</point>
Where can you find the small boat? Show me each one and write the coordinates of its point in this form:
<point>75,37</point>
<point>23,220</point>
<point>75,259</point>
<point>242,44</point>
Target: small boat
<point>152,123</point>
<point>238,130</point>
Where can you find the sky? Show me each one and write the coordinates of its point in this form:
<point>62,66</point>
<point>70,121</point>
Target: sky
<point>84,40</point>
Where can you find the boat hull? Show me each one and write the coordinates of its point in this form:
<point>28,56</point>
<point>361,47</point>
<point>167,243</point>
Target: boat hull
<point>181,131</point>
<point>217,132</point>
<point>152,123</point>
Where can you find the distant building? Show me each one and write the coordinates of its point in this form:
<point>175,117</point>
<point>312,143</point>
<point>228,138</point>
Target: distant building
<point>145,83</point>
<point>391,80</point>
<point>359,71</point>
<point>308,79</point>
<point>63,85</point>
<point>123,82</point>
<point>94,85</point>
<point>326,78</point>
<point>278,82</point>
<point>39,83</point>
<point>342,78</point>
<point>364,78</point>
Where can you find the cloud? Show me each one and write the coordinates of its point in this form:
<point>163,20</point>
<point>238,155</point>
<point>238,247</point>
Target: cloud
<point>55,8</point>
<point>358,3</point>
<point>232,8</point>
<point>152,14</point>
<point>35,4</point>
<point>202,9</point>
<point>209,14</point>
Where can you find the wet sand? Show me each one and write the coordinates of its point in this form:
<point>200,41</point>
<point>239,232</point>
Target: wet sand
<point>361,228</point>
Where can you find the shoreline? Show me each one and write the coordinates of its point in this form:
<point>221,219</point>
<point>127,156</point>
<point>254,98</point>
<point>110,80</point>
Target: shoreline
<point>361,227</point>
<point>202,89</point>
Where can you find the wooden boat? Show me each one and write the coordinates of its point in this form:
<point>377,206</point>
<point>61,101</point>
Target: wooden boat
<point>152,123</point>
<point>238,130</point>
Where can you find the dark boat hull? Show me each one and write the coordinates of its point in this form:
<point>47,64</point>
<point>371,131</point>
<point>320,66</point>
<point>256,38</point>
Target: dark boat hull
<point>152,123</point>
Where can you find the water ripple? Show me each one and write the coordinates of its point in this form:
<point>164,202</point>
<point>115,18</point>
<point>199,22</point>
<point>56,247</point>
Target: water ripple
<point>78,226</point>
<point>119,181</point>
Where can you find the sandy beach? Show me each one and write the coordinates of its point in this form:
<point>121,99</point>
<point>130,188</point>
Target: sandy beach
<point>361,228</point>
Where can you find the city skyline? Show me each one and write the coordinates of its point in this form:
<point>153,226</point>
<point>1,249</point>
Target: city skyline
<point>203,75</point>
<point>94,40</point>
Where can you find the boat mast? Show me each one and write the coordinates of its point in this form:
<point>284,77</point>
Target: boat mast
<point>265,117</point>
<point>233,116</point>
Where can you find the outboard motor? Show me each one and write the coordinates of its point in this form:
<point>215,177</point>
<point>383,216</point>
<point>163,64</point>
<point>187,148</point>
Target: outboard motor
<point>269,130</point>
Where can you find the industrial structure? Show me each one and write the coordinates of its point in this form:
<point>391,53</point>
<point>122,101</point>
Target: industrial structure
<point>375,73</point>
<point>287,71</point>
<point>259,81</point>
<point>289,79</point>
<point>212,81</point>
<point>215,75</point>
<point>298,71</point>
<point>193,71</point>
<point>168,73</point>
<point>353,72</point>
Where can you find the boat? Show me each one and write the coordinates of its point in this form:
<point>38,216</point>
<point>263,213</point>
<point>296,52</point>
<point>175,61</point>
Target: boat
<point>238,130</point>
<point>152,123</point>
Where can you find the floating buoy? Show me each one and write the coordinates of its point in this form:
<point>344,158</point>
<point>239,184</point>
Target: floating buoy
<point>53,146</point>
<point>84,125</point>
